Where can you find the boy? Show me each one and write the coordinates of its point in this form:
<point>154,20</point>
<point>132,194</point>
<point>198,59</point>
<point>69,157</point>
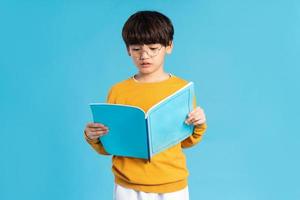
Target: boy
<point>148,36</point>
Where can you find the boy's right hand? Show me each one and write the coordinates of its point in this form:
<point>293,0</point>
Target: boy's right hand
<point>95,130</point>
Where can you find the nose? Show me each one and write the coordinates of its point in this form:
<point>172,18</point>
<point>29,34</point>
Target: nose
<point>144,55</point>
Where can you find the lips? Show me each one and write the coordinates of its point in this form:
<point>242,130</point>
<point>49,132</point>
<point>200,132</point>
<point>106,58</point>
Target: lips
<point>145,64</point>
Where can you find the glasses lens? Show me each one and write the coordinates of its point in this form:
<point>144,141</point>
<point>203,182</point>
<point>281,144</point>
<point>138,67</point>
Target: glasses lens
<point>151,51</point>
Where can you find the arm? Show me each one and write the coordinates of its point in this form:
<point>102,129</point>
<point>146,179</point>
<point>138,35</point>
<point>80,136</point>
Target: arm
<point>96,145</point>
<point>195,137</point>
<point>197,117</point>
<point>94,142</point>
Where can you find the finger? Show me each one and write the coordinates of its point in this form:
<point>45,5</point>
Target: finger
<point>189,120</point>
<point>203,118</point>
<point>92,124</point>
<point>193,119</point>
<point>199,122</point>
<point>90,133</point>
<point>200,114</point>
<point>95,137</point>
<point>98,133</point>
<point>96,129</point>
<point>96,125</point>
<point>101,133</point>
<point>100,129</point>
<point>197,117</point>
<point>194,116</point>
<point>195,111</point>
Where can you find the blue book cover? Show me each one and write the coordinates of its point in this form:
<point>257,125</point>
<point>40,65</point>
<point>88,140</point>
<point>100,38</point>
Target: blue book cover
<point>134,133</point>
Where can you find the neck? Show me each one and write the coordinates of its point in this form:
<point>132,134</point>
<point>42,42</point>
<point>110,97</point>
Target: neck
<point>152,77</point>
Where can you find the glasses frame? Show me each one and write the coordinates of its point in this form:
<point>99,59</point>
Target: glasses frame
<point>138,55</point>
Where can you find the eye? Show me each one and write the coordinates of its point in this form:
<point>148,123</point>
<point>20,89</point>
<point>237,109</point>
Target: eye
<point>153,48</point>
<point>135,49</point>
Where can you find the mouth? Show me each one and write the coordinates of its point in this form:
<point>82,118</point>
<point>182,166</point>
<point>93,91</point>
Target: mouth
<point>145,64</point>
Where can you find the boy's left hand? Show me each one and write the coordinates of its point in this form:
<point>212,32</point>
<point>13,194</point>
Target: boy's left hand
<point>196,117</point>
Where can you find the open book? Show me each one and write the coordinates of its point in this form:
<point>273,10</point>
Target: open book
<point>134,133</point>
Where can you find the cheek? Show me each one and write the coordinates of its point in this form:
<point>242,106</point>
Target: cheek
<point>135,61</point>
<point>159,59</point>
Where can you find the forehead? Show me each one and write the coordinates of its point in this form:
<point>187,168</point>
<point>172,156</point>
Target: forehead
<point>151,44</point>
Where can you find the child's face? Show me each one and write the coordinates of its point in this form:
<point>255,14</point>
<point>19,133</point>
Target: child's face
<point>149,58</point>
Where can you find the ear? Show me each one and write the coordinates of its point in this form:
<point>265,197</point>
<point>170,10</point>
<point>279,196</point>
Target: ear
<point>128,51</point>
<point>169,48</point>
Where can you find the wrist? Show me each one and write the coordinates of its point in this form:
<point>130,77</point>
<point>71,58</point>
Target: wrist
<point>199,125</point>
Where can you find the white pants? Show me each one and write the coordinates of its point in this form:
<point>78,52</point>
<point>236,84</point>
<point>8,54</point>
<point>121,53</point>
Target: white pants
<point>122,193</point>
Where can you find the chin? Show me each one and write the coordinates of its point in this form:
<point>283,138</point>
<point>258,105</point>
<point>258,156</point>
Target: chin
<point>146,69</point>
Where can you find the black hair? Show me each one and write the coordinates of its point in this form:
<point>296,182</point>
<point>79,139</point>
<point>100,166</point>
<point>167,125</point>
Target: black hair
<point>148,27</point>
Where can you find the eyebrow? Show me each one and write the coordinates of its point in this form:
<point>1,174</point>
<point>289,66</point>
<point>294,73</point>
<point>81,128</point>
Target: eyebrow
<point>139,45</point>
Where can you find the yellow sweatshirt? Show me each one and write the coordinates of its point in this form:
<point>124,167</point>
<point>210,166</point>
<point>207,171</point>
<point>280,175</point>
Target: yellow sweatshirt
<point>167,171</point>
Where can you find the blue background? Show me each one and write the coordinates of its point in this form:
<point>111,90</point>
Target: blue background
<point>58,56</point>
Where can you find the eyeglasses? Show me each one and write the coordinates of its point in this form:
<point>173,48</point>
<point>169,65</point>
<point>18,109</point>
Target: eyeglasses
<point>152,51</point>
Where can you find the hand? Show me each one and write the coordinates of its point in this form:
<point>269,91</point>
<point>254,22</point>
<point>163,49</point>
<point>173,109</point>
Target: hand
<point>95,130</point>
<point>196,117</point>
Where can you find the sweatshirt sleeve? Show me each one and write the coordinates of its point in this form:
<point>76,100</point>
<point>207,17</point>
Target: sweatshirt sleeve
<point>97,146</point>
<point>197,134</point>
